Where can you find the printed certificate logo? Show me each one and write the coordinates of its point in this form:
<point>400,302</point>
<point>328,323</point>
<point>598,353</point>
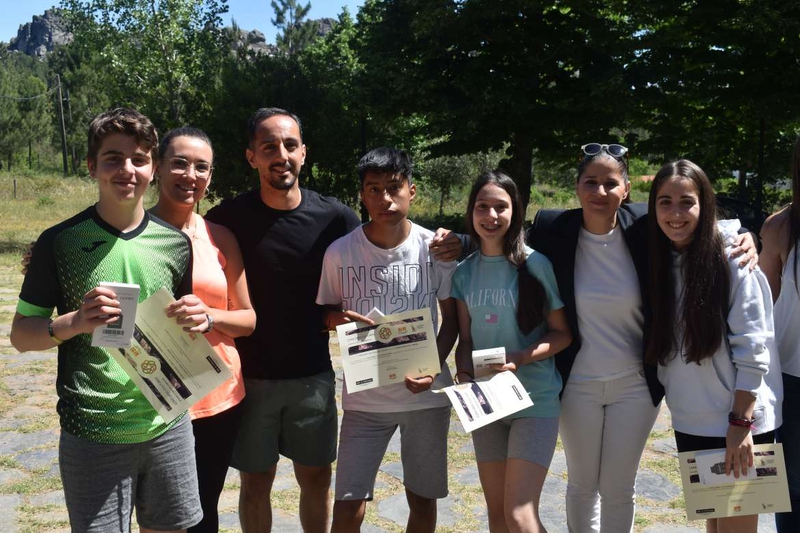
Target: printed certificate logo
<point>148,367</point>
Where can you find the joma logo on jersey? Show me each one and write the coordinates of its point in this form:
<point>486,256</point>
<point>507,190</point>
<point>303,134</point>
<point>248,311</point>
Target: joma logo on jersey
<point>92,247</point>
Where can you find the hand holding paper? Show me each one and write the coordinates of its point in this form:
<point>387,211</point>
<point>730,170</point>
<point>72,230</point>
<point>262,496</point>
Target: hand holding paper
<point>191,312</point>
<point>117,330</point>
<point>487,399</point>
<point>172,367</point>
<point>489,361</point>
<point>710,493</point>
<point>388,350</point>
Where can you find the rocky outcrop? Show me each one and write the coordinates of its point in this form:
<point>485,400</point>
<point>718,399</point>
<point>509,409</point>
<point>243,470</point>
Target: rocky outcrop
<point>41,35</point>
<point>45,32</point>
<point>324,26</point>
<point>250,41</point>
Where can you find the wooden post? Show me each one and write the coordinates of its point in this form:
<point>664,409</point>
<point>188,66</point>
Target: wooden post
<point>63,127</point>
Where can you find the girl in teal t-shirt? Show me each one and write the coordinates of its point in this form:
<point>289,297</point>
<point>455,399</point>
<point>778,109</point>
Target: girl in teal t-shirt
<point>507,296</point>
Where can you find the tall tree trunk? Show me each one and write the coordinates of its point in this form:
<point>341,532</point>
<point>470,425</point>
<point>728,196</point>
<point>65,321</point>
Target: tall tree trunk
<point>520,165</point>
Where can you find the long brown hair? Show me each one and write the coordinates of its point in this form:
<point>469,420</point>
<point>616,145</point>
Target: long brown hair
<point>702,316</point>
<point>532,304</point>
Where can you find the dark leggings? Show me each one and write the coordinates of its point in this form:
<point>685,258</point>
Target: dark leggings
<point>789,436</point>
<point>214,437</point>
<point>694,443</point>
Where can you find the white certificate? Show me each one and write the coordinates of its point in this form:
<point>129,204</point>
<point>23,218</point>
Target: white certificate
<point>481,402</point>
<point>709,493</point>
<point>395,347</point>
<point>173,368</point>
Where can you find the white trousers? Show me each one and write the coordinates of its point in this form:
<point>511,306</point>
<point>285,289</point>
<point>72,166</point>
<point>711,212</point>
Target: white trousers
<point>604,428</point>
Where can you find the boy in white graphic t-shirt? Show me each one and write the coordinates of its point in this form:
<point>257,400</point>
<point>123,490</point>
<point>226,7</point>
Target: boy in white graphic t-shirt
<point>386,264</point>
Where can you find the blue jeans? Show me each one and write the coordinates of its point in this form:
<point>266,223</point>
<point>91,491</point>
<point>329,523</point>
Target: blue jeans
<point>789,435</point>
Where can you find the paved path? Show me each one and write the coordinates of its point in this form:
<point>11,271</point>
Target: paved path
<point>31,498</point>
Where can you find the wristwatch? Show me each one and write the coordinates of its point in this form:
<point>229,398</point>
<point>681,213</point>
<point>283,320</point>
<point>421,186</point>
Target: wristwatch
<point>52,333</point>
<point>210,320</point>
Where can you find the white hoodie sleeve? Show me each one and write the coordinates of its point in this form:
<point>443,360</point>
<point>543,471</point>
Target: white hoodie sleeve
<point>750,326</point>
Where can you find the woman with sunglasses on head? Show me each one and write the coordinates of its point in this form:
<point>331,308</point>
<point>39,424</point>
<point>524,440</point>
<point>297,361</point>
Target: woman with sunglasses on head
<point>219,307</point>
<point>610,398</point>
<point>779,261</point>
<point>712,336</point>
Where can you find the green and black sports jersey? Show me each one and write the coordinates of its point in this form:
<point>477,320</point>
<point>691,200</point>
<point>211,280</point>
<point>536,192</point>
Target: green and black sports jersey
<point>97,400</point>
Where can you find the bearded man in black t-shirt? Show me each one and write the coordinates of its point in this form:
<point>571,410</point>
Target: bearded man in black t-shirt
<point>290,407</point>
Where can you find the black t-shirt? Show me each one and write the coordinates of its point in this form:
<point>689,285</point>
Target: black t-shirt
<point>283,252</point>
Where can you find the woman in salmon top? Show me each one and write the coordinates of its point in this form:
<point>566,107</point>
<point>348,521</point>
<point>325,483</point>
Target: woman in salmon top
<point>219,306</point>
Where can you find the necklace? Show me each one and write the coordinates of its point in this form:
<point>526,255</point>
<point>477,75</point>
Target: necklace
<point>191,228</point>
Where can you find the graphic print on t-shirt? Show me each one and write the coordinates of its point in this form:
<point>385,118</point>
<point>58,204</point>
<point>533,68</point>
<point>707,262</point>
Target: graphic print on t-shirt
<point>394,288</point>
<point>495,296</point>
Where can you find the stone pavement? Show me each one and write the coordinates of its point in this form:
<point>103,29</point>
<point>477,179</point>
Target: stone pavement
<point>31,499</point>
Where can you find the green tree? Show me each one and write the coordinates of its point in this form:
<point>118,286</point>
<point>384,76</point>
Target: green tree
<point>721,94</point>
<point>25,107</point>
<point>449,173</point>
<point>542,77</point>
<point>295,32</point>
<point>161,56</point>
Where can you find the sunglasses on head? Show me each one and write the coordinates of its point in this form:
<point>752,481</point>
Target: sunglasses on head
<point>614,150</point>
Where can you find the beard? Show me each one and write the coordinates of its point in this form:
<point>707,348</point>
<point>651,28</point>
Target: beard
<point>284,183</point>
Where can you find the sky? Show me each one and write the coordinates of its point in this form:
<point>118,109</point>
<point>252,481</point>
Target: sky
<point>249,14</point>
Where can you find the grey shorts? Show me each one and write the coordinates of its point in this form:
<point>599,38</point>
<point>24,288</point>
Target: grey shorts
<point>296,418</point>
<point>423,451</point>
<point>530,439</point>
<point>103,482</point>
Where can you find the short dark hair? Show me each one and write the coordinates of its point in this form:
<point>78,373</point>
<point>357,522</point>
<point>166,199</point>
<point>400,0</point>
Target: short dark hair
<point>183,131</point>
<point>386,159</point>
<point>263,114</point>
<point>127,122</point>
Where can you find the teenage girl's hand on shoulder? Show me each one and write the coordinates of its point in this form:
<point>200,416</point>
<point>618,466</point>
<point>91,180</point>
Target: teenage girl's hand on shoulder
<point>745,246</point>
<point>26,257</point>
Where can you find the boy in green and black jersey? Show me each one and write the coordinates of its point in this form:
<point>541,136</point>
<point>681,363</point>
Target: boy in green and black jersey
<point>115,451</point>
